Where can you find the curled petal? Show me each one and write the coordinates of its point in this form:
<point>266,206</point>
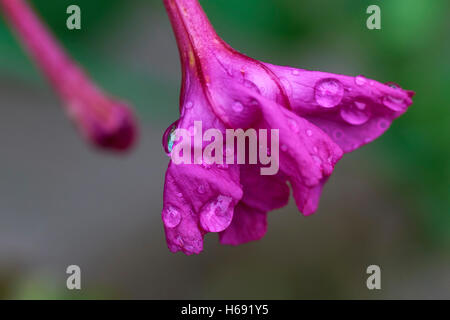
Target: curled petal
<point>353,111</point>
<point>263,192</point>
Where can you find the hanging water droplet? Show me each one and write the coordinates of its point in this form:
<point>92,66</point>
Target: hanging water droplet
<point>293,125</point>
<point>238,106</point>
<point>171,217</point>
<point>360,80</point>
<point>216,216</point>
<point>355,114</point>
<point>309,133</point>
<point>394,103</point>
<point>169,137</point>
<point>329,92</point>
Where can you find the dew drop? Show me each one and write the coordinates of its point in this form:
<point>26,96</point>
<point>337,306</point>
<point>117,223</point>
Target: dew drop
<point>309,133</point>
<point>171,217</point>
<point>360,80</point>
<point>296,72</point>
<point>329,92</point>
<point>394,103</point>
<point>189,105</point>
<point>284,148</point>
<point>238,106</point>
<point>293,125</point>
<point>355,114</point>
<point>179,195</point>
<point>360,105</point>
<point>287,86</point>
<point>216,216</point>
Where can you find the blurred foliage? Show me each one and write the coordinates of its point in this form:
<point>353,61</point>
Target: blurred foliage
<point>412,49</point>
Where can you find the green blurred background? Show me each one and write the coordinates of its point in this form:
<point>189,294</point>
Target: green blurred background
<point>388,204</point>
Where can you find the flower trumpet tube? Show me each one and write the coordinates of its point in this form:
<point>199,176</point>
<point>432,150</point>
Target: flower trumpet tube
<point>318,116</point>
<point>104,121</point>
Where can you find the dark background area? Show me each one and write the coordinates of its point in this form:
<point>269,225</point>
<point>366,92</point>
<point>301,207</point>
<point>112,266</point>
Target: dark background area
<point>63,203</point>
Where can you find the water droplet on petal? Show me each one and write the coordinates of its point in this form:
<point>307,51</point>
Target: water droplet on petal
<point>360,80</point>
<point>293,125</point>
<point>179,195</point>
<point>394,103</point>
<point>360,105</point>
<point>189,105</point>
<point>309,133</point>
<point>238,106</point>
<point>393,85</point>
<point>329,92</point>
<point>216,216</point>
<point>284,147</point>
<point>171,217</point>
<point>317,160</point>
<point>338,134</point>
<point>355,114</point>
<point>201,189</point>
<point>315,150</point>
<point>296,72</point>
<point>169,137</point>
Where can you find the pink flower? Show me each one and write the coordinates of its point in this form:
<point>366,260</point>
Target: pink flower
<point>104,121</point>
<point>319,117</point>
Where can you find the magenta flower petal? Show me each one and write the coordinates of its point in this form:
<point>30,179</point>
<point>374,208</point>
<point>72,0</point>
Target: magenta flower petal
<point>318,116</point>
<point>104,121</point>
<point>249,224</point>
<point>353,111</point>
<point>198,200</point>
